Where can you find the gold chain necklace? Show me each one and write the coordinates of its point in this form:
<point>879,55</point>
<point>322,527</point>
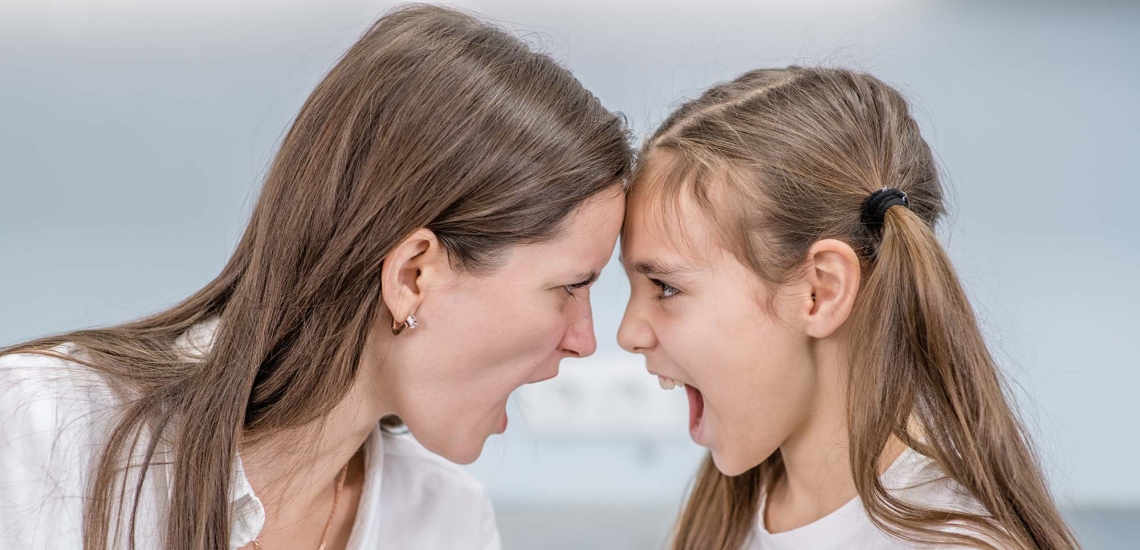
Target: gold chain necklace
<point>328,524</point>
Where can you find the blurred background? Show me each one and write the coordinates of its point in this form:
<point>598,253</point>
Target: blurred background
<point>133,136</point>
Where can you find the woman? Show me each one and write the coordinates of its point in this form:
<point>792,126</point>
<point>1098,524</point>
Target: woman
<point>422,246</point>
<point>785,270</point>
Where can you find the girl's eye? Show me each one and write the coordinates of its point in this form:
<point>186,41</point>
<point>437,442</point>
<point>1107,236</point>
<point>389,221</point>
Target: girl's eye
<point>667,291</point>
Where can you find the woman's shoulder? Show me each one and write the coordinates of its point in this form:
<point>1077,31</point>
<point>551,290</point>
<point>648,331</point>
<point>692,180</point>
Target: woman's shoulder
<point>53,406</point>
<point>407,458</point>
<point>54,413</point>
<point>449,507</point>
<point>51,390</point>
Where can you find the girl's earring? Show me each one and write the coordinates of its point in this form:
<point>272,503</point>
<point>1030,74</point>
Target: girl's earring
<point>406,325</point>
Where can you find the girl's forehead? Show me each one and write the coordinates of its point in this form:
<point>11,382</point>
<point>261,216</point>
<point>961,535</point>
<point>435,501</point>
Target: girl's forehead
<point>666,229</point>
<point>667,208</point>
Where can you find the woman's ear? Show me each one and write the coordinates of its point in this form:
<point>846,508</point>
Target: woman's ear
<point>413,267</point>
<point>832,276</point>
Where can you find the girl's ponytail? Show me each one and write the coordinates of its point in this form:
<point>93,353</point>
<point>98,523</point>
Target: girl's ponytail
<point>921,372</point>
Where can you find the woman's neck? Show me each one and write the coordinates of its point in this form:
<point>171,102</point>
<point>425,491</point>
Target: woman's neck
<point>295,471</point>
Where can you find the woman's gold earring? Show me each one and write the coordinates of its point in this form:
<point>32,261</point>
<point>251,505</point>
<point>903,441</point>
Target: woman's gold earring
<point>409,324</point>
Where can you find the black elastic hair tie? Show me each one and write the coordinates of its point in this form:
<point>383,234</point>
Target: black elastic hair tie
<point>876,206</point>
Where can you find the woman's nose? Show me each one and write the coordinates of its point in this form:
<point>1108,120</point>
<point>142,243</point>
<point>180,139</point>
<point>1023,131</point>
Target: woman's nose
<point>579,339</point>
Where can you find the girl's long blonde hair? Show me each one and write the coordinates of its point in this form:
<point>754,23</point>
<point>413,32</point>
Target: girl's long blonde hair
<point>792,154</point>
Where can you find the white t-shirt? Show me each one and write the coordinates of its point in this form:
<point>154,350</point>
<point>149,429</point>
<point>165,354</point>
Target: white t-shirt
<point>54,415</point>
<point>913,477</point>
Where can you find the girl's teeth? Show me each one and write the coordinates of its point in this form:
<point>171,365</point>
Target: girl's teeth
<point>668,383</point>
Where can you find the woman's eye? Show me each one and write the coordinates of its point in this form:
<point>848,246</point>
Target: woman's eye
<point>666,291</point>
<point>571,288</point>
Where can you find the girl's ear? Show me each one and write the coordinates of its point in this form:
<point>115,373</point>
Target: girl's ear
<point>411,269</point>
<point>832,276</point>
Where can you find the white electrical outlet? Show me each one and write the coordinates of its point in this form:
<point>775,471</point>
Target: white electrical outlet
<point>606,394</point>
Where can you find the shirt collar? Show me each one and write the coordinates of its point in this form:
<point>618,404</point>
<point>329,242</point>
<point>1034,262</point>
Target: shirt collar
<point>247,512</point>
<point>246,509</point>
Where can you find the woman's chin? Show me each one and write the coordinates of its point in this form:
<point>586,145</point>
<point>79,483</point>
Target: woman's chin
<point>460,450</point>
<point>460,447</point>
<point>466,457</point>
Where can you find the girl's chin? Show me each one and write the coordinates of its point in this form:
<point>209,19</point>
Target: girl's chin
<point>730,465</point>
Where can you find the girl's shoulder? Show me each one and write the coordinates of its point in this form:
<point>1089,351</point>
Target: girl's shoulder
<point>919,479</point>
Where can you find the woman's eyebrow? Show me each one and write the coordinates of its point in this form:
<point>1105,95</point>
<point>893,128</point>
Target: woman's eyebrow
<point>587,277</point>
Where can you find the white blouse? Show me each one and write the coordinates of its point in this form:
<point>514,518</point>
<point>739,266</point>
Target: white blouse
<point>912,477</point>
<point>54,414</point>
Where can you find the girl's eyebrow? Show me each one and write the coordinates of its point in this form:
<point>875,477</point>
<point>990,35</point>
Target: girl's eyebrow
<point>655,268</point>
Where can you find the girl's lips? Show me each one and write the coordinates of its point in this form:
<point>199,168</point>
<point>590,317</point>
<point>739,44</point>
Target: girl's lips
<point>696,414</point>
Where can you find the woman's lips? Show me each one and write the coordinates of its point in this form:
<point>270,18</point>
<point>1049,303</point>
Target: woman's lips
<point>503,425</point>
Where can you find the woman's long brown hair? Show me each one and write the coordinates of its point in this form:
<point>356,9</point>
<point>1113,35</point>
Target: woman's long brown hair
<point>432,119</point>
<point>781,158</point>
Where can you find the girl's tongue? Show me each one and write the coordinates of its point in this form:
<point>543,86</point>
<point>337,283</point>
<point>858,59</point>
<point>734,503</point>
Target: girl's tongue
<point>696,412</point>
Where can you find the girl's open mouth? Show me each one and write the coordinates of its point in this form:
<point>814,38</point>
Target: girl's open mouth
<point>696,412</point>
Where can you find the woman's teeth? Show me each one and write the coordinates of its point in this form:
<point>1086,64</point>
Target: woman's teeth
<point>668,383</point>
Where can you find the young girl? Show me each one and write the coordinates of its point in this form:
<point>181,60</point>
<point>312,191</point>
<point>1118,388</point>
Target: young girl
<point>784,268</point>
<point>422,246</point>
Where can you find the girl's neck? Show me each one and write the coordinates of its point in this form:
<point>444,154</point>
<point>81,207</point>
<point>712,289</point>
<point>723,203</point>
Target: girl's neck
<point>817,478</point>
<point>816,483</point>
